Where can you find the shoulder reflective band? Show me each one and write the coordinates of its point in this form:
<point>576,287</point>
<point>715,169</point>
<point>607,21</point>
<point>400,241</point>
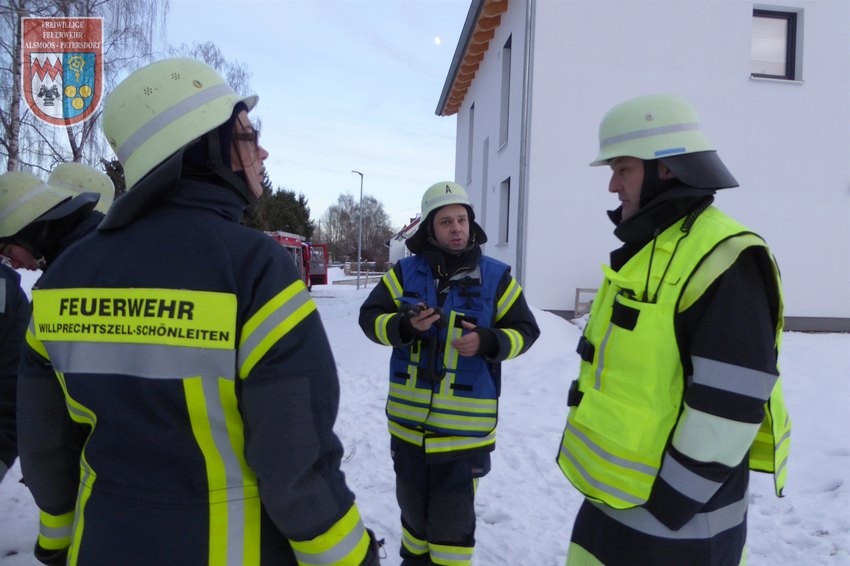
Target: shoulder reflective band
<point>174,317</point>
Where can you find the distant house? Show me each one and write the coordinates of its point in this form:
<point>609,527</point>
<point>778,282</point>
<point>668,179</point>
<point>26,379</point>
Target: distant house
<point>531,79</point>
<point>398,249</point>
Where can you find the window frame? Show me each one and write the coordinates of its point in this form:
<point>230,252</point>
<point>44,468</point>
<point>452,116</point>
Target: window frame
<point>790,44</point>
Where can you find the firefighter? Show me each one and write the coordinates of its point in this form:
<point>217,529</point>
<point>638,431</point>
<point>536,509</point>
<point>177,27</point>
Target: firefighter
<point>188,350</point>
<point>14,316</point>
<point>41,220</point>
<point>451,315</point>
<point>678,394</point>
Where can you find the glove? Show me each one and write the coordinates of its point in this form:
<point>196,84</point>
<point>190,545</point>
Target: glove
<point>51,557</point>
<point>373,556</point>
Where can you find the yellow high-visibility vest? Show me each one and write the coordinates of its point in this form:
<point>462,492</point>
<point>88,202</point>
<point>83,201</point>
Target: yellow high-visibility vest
<point>631,380</point>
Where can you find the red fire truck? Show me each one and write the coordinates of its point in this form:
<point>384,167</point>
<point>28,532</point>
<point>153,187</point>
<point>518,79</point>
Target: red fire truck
<point>310,258</point>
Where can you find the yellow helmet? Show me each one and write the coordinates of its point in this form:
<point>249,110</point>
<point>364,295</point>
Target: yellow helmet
<point>667,128</point>
<point>84,179</point>
<point>437,196</point>
<point>161,108</point>
<point>24,198</point>
<point>442,194</point>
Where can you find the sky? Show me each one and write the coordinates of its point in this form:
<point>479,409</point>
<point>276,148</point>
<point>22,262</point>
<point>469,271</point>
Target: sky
<point>525,506</point>
<point>344,85</point>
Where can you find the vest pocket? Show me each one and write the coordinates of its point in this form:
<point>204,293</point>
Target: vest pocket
<point>625,425</point>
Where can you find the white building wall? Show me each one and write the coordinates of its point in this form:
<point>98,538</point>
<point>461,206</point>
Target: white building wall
<point>502,161</point>
<point>788,144</point>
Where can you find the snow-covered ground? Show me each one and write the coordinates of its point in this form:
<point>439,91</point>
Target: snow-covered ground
<point>525,506</point>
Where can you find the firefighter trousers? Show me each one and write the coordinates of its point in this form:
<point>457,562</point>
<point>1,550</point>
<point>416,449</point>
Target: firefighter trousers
<point>437,502</point>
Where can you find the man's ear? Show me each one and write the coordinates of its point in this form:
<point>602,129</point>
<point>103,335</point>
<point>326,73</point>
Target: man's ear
<point>664,172</point>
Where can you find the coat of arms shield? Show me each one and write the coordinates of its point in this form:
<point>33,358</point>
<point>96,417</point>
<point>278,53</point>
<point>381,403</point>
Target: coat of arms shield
<point>62,68</point>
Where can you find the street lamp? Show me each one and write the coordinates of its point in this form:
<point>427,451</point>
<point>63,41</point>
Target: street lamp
<point>360,229</point>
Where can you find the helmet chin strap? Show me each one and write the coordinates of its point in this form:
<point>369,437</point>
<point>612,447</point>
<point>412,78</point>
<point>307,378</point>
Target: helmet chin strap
<point>216,165</point>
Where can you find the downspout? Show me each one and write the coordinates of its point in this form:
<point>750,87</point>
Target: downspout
<point>522,205</point>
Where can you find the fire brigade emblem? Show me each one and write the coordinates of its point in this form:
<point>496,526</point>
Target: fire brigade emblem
<point>63,68</point>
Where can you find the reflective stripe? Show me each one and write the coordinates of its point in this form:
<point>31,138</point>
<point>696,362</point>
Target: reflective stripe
<point>607,456</point>
<point>601,357</point>
<point>393,286</point>
<point>141,360</point>
<point>445,555</point>
<point>466,404</point>
<point>407,434</point>
<point>382,321</point>
<point>10,208</point>
<point>701,526</point>
<point>213,414</point>
<point>412,544</point>
<point>35,343</point>
<point>732,378</point>
<point>163,119</point>
<point>346,542</point>
<point>439,444</point>
<point>508,298</point>
<point>517,343</point>
<point>54,531</point>
<point>649,132</point>
<point>460,422</point>
<point>271,323</point>
<point>715,264</point>
<point>410,393</point>
<point>79,414</point>
<point>601,486</point>
<point>709,438</point>
<point>687,482</point>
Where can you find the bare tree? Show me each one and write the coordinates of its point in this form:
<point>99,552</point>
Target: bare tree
<point>129,28</point>
<point>340,226</point>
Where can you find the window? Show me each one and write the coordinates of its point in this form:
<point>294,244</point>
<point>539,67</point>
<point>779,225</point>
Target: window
<point>774,45</point>
<point>504,211</point>
<point>469,143</point>
<point>485,165</point>
<point>506,93</point>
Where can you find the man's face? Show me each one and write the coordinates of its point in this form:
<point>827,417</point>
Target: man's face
<point>626,181</point>
<point>246,153</point>
<point>19,257</point>
<point>451,227</point>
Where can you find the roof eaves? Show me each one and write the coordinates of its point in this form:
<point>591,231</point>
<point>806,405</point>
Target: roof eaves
<point>460,51</point>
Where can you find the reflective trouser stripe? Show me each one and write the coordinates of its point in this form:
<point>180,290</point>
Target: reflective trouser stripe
<point>702,526</point>
<point>234,536</point>
<point>83,415</point>
<point>54,531</point>
<point>446,555</point>
<point>345,543</point>
<point>414,545</point>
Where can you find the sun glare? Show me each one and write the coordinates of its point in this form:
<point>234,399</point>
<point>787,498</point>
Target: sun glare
<point>437,40</point>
